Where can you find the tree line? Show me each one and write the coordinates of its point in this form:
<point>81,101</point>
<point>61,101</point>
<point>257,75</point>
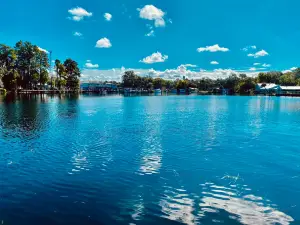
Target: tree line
<point>27,66</point>
<point>235,83</point>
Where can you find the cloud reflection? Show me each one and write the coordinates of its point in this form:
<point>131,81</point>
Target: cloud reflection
<point>177,206</point>
<point>249,209</point>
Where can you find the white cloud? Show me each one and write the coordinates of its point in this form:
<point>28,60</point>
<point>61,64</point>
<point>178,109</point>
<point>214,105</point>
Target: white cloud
<point>43,50</point>
<point>168,74</point>
<point>88,60</point>
<point>103,43</point>
<point>79,13</point>
<point>90,65</point>
<point>189,65</point>
<point>252,69</point>
<point>259,54</point>
<point>107,16</point>
<point>213,48</point>
<point>154,58</point>
<point>256,64</point>
<point>290,70</point>
<point>266,65</point>
<point>77,34</point>
<point>160,22</point>
<point>249,47</point>
<point>214,63</point>
<point>150,12</point>
<point>150,34</point>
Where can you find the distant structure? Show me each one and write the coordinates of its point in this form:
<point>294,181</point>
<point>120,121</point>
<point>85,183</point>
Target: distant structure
<point>50,63</point>
<point>98,87</point>
<point>275,89</point>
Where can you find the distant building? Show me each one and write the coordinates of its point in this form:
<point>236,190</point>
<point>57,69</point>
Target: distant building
<point>289,90</point>
<point>269,88</point>
<point>264,88</point>
<point>97,86</point>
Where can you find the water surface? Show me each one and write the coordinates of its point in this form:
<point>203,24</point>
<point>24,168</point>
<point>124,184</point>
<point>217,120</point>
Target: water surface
<point>144,160</point>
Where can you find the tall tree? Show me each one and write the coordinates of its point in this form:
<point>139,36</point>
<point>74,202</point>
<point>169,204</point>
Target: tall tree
<point>60,73</point>
<point>73,74</point>
<point>8,72</point>
<point>26,63</point>
<point>42,63</point>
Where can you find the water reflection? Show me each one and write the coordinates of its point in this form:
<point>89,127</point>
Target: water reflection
<point>178,206</point>
<point>247,208</point>
<point>79,161</point>
<point>151,160</point>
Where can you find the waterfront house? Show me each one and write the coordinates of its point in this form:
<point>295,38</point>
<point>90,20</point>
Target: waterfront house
<point>266,88</point>
<point>289,90</point>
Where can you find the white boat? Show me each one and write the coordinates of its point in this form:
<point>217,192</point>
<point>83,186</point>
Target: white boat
<point>157,91</point>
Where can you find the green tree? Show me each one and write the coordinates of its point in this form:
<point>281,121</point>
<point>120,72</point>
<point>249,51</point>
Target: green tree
<point>42,63</point>
<point>60,73</point>
<point>246,85</point>
<point>129,79</point>
<point>44,77</point>
<point>8,72</point>
<point>73,73</point>
<point>288,79</point>
<point>26,63</point>
<point>158,83</point>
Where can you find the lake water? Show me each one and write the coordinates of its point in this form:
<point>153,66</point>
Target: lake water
<point>144,160</point>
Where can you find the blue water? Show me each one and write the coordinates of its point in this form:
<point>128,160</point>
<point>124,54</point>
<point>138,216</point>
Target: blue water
<point>144,160</point>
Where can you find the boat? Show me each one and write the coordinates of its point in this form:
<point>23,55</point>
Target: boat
<point>157,91</point>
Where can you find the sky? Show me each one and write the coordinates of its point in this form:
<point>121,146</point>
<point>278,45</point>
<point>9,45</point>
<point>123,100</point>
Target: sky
<point>168,39</point>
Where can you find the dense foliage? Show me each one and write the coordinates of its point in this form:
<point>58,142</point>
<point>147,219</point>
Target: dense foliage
<point>234,83</point>
<point>27,66</point>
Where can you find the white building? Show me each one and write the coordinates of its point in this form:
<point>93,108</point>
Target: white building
<point>263,88</point>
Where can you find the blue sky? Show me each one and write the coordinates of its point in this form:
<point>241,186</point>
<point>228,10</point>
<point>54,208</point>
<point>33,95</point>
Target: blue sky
<point>167,38</point>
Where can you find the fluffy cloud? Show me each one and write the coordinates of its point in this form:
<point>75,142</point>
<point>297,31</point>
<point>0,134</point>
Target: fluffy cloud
<point>150,12</point>
<point>79,13</point>
<point>103,43</point>
<point>248,47</point>
<point>154,58</point>
<point>252,69</point>
<point>90,65</point>
<point>77,34</point>
<point>169,74</point>
<point>266,65</point>
<point>290,70</point>
<point>213,48</point>
<point>160,22</point>
<point>256,64</point>
<point>107,16</point>
<point>259,54</point>
<point>214,63</point>
<point>43,50</point>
